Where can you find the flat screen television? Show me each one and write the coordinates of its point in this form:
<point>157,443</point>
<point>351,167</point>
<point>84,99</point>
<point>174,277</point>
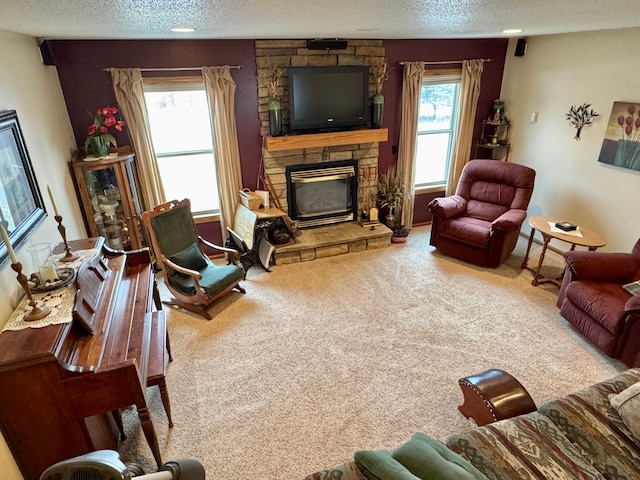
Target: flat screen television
<point>328,98</point>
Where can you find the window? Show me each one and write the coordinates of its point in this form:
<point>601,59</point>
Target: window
<point>437,129</point>
<point>181,134</point>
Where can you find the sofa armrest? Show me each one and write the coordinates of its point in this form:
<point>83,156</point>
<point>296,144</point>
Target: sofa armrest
<point>447,207</point>
<point>509,220</point>
<point>602,266</point>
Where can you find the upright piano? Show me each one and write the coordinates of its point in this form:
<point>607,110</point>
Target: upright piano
<point>62,386</point>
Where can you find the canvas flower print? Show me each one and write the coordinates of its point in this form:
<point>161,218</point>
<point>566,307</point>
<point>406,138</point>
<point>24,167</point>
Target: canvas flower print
<point>621,144</point>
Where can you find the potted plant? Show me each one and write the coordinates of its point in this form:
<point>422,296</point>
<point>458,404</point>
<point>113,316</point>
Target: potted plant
<point>391,194</point>
<point>99,139</point>
<point>399,234</point>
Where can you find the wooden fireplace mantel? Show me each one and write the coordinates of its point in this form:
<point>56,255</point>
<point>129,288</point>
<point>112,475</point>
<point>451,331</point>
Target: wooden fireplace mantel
<point>313,140</point>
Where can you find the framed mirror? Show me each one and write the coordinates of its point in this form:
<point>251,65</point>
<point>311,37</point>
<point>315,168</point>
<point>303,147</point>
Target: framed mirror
<point>21,205</point>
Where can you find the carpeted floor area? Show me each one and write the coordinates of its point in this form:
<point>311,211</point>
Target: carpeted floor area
<point>359,351</point>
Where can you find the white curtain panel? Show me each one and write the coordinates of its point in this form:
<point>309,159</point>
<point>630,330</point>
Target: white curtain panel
<point>128,88</point>
<point>220,89</point>
<point>411,87</point>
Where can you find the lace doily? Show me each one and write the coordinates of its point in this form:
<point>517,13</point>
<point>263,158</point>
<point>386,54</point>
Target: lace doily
<point>60,301</point>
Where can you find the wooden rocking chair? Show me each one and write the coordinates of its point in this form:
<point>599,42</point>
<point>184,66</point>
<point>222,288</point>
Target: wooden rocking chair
<point>192,278</point>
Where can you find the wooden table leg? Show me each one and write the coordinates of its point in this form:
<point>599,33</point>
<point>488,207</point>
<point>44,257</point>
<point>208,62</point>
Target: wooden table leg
<point>526,255</point>
<point>149,433</point>
<point>536,279</point>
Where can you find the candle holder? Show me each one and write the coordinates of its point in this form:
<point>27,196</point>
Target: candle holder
<point>36,312</point>
<point>69,257</point>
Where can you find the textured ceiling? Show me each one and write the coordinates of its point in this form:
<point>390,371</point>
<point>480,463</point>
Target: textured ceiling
<point>256,19</point>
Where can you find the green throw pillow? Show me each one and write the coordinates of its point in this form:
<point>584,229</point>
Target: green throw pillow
<point>429,459</point>
<point>191,258</point>
<point>422,457</point>
<point>380,465</point>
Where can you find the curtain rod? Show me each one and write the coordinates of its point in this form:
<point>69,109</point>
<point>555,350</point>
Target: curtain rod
<point>174,69</point>
<point>450,62</point>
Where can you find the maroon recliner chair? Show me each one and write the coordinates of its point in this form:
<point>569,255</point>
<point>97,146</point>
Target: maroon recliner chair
<point>591,298</point>
<point>480,224</point>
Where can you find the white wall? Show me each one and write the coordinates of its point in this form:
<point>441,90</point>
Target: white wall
<point>33,91</point>
<point>556,72</point>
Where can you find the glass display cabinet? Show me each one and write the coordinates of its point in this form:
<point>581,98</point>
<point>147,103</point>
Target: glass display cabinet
<point>108,191</point>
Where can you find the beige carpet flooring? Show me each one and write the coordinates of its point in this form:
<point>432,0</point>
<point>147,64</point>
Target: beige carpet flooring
<point>359,351</point>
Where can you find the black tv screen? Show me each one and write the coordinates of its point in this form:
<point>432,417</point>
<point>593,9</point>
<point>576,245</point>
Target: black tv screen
<point>328,98</point>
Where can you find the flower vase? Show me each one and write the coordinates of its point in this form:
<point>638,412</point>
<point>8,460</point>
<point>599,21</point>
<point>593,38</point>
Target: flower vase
<point>98,147</point>
<point>275,117</point>
<point>378,110</point>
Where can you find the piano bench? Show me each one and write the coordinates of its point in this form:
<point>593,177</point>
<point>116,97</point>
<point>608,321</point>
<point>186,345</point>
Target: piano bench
<point>157,365</point>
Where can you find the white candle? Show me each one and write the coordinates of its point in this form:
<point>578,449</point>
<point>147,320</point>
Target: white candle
<point>5,237</point>
<point>53,201</point>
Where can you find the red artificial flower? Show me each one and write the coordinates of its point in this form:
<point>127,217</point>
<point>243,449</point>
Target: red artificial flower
<point>103,119</point>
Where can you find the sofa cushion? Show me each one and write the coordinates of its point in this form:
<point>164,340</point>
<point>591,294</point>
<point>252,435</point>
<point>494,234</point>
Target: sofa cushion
<point>627,404</point>
<point>602,301</point>
<point>526,447</point>
<point>589,421</point>
<point>421,457</point>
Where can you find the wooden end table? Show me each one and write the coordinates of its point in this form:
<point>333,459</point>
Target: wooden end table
<point>544,225</point>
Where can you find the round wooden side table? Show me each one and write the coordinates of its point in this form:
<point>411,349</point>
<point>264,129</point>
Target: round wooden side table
<point>545,225</point>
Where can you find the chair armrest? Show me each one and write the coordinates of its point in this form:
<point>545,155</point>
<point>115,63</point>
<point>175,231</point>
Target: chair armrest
<point>509,220</point>
<point>192,273</point>
<point>233,254</point>
<point>447,207</point>
<point>633,304</point>
<point>603,266</point>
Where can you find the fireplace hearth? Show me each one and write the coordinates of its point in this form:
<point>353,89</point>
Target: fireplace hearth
<point>322,193</point>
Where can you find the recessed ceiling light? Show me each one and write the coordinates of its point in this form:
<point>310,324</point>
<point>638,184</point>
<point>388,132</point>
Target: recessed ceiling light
<point>512,30</point>
<point>183,29</point>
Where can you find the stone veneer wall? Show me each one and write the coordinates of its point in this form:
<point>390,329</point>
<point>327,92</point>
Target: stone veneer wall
<point>294,53</point>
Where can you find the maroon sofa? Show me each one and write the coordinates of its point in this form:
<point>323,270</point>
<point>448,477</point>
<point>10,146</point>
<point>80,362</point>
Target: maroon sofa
<point>591,298</point>
<point>480,224</point>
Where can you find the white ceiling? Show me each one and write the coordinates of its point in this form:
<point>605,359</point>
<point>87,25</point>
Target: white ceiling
<point>263,19</point>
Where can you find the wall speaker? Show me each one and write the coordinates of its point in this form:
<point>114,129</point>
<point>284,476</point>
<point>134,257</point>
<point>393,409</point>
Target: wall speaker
<point>326,44</point>
<point>521,47</point>
<point>46,53</point>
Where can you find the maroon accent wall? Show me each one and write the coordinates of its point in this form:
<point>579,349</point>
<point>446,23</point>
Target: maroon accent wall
<point>398,51</point>
<point>86,86</point>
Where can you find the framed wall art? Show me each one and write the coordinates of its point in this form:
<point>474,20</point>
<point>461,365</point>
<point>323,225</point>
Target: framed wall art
<point>21,205</point>
<point>621,144</point>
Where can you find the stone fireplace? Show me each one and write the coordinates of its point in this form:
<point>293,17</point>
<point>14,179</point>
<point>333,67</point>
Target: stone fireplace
<point>294,53</point>
<point>317,151</point>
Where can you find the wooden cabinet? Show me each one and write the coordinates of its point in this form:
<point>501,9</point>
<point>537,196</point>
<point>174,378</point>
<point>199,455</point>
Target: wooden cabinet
<point>108,194</point>
<point>494,141</point>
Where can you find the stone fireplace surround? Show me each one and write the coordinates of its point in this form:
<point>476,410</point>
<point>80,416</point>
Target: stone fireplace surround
<point>294,53</point>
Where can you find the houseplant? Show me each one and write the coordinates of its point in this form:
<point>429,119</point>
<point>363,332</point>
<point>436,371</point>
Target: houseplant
<point>391,194</point>
<point>399,233</point>
<point>99,139</point>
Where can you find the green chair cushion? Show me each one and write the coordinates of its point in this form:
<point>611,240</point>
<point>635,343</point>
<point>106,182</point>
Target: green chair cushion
<point>215,279</point>
<point>191,258</point>
<point>422,457</point>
